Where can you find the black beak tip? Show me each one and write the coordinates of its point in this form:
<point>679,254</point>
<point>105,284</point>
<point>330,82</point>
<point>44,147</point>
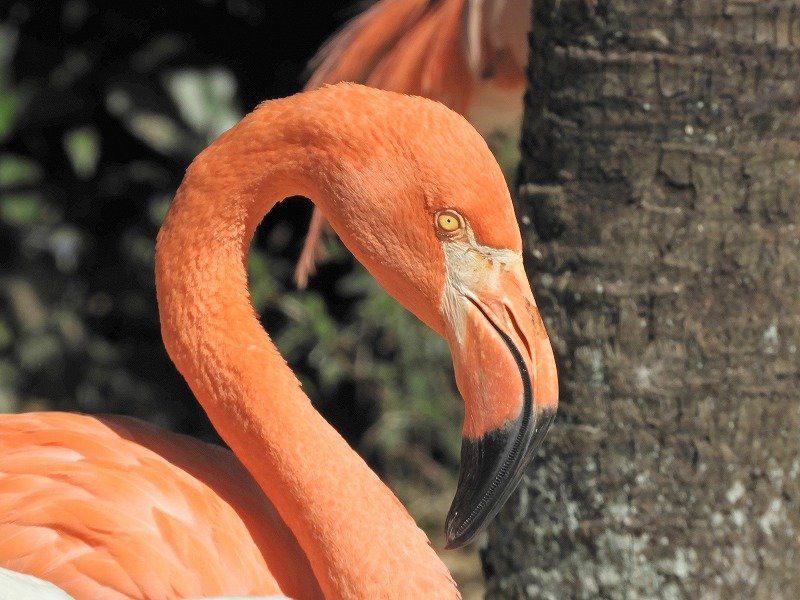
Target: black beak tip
<point>452,542</point>
<point>491,468</point>
<point>456,535</point>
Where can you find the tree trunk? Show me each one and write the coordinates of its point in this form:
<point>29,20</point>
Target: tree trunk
<point>661,182</point>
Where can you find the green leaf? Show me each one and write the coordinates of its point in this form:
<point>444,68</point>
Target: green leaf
<point>261,282</point>
<point>159,131</point>
<point>10,103</point>
<point>157,208</point>
<point>22,209</point>
<point>82,146</point>
<point>206,99</point>
<point>17,170</point>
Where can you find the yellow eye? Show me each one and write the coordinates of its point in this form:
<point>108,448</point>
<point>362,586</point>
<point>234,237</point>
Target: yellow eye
<point>449,222</point>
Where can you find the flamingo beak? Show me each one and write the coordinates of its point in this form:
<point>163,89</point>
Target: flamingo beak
<point>506,372</point>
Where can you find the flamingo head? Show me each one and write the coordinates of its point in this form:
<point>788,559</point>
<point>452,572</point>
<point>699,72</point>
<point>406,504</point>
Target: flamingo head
<point>433,221</point>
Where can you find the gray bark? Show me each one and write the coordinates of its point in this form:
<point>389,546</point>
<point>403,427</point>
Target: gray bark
<point>661,189</point>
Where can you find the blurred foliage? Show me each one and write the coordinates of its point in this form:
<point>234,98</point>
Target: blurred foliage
<point>101,110</point>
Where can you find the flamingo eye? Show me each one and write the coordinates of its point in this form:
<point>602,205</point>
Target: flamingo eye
<point>449,222</point>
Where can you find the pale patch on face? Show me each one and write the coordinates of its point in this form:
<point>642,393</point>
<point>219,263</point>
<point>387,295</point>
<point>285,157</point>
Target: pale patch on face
<point>471,267</point>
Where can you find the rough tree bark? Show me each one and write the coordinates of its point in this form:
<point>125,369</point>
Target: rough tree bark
<point>661,179</point>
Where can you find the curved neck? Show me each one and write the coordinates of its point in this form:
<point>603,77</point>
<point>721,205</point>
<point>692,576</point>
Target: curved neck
<point>358,538</point>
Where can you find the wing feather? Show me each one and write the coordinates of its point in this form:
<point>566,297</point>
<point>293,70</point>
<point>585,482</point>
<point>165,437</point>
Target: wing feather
<point>115,508</point>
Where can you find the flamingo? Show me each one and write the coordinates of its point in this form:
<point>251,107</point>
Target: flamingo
<point>468,54</point>
<point>112,507</point>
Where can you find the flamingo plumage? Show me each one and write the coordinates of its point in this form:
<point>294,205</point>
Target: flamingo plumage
<point>467,54</point>
<point>111,507</point>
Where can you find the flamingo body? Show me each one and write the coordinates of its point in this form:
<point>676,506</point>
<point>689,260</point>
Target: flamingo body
<point>457,52</point>
<point>140,512</point>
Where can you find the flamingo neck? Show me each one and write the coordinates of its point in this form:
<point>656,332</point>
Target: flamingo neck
<point>359,540</point>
